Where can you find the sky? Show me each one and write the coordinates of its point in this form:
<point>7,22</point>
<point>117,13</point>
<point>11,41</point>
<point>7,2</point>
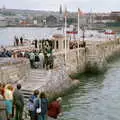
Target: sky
<point>71,5</point>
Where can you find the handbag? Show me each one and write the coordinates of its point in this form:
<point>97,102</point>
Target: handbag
<point>38,110</point>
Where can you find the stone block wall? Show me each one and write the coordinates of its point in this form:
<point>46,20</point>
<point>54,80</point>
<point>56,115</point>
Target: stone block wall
<point>93,57</point>
<point>98,54</point>
<point>73,62</point>
<point>59,82</point>
<point>14,72</point>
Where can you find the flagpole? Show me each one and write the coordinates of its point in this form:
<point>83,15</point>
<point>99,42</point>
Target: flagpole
<point>78,30</point>
<point>65,36</point>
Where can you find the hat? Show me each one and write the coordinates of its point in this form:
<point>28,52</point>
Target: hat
<point>59,99</point>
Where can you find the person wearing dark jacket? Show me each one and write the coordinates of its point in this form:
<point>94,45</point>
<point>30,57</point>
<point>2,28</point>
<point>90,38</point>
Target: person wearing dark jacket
<point>21,40</point>
<point>18,101</point>
<point>31,105</point>
<point>44,106</point>
<point>36,43</point>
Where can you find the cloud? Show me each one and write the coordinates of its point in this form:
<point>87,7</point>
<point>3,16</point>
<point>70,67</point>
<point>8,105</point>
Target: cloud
<point>72,5</point>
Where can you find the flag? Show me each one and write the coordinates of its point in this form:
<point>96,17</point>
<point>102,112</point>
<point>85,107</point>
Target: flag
<point>80,12</point>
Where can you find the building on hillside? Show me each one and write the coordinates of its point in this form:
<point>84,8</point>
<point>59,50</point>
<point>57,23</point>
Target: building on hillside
<point>3,21</point>
<point>51,20</point>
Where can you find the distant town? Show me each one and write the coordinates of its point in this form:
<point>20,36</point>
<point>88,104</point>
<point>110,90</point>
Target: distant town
<point>36,18</point>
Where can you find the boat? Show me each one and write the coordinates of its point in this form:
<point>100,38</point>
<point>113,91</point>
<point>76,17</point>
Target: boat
<point>109,32</point>
<point>72,32</point>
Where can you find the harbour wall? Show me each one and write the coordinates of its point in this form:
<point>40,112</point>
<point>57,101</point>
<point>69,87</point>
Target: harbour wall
<point>92,58</point>
<point>13,70</point>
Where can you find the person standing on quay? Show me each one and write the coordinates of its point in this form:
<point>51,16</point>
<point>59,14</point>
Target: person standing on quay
<point>44,107</point>
<point>16,41</point>
<point>36,43</point>
<point>3,115</point>
<point>8,94</point>
<point>31,105</point>
<point>18,101</point>
<point>21,40</point>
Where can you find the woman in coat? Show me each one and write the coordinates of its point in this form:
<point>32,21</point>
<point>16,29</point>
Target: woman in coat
<point>3,115</point>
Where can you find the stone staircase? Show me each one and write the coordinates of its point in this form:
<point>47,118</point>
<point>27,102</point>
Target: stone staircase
<point>37,79</point>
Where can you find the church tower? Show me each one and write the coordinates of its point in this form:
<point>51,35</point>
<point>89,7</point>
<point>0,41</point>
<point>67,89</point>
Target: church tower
<point>60,9</point>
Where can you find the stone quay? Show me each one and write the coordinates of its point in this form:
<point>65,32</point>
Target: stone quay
<point>56,81</point>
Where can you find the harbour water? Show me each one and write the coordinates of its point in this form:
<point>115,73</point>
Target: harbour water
<point>97,97</point>
<point>7,34</point>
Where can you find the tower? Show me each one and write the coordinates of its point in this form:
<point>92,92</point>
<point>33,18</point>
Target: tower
<point>60,9</point>
<point>3,8</point>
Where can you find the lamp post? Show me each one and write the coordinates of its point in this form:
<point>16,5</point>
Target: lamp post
<point>83,34</point>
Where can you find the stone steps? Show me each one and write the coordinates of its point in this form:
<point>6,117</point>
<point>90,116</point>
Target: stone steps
<point>37,80</point>
<point>37,75</point>
<point>26,93</point>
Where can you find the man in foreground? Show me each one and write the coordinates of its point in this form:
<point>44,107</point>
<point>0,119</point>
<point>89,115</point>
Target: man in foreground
<point>18,101</point>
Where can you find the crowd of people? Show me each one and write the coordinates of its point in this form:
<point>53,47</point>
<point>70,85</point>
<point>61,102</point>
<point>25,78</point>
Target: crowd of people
<point>41,59</point>
<point>12,101</point>
<point>74,44</point>
<point>12,104</point>
<point>38,58</point>
<point>5,53</point>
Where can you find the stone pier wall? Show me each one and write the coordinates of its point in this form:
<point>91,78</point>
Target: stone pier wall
<point>73,62</point>
<point>98,54</point>
<point>92,58</point>
<point>14,71</point>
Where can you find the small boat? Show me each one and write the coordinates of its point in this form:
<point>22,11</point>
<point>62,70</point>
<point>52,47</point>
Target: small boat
<point>109,32</point>
<point>72,32</point>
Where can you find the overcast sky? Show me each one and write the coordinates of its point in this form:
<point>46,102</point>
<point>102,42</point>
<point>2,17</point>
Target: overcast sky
<point>72,5</point>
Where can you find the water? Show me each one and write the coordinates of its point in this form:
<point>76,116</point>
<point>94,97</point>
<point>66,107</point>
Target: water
<point>97,97</point>
<point>7,34</point>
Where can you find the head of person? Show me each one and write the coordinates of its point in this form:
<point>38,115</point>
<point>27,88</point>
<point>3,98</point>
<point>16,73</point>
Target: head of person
<point>36,92</point>
<point>42,95</point>
<point>10,88</point>
<point>0,84</point>
<point>59,99</point>
<point>0,91</point>
<point>18,86</point>
<point>3,85</point>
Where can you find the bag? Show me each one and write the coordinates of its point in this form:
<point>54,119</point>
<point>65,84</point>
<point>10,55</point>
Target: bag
<point>38,110</point>
<point>31,103</point>
<point>31,106</point>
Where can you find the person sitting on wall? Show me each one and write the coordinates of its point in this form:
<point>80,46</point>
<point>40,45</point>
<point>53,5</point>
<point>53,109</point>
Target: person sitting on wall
<point>54,109</point>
